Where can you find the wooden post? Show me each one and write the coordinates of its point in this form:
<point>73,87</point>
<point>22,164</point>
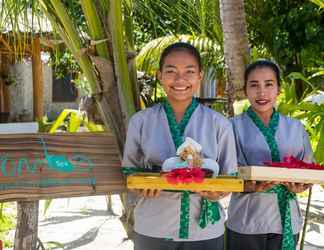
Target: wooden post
<point>38,82</point>
<point>27,216</point>
<point>6,99</point>
<point>27,225</point>
<point>4,70</point>
<point>1,84</point>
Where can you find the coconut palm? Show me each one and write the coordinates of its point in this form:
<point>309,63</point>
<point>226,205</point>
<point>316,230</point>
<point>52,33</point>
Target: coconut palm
<point>320,3</point>
<point>236,48</point>
<point>94,32</point>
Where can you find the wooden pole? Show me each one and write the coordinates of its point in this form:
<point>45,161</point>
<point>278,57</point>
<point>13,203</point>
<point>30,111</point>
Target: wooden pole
<point>302,242</point>
<point>27,225</point>
<point>27,216</point>
<point>1,84</point>
<point>4,89</point>
<point>4,69</point>
<point>38,82</point>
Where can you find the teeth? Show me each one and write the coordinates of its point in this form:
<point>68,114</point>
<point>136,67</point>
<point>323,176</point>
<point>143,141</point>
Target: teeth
<point>180,88</point>
<point>262,101</point>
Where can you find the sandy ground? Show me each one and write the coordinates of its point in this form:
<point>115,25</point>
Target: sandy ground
<point>84,224</point>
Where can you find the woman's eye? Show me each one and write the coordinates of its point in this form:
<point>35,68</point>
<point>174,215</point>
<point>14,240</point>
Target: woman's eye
<point>253,85</point>
<point>169,71</point>
<point>269,84</point>
<point>190,72</point>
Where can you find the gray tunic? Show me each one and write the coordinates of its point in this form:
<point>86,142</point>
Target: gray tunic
<point>149,143</point>
<point>258,213</point>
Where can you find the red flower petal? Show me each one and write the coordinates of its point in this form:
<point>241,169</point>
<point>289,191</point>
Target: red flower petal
<point>185,175</point>
<point>292,162</point>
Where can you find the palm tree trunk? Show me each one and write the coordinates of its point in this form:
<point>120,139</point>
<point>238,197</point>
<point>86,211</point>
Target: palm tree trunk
<point>236,48</point>
<point>107,70</point>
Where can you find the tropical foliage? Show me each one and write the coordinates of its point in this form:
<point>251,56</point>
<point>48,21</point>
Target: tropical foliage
<point>154,19</point>
<point>94,33</point>
<point>308,110</point>
<point>320,3</point>
<point>6,222</point>
<point>291,31</point>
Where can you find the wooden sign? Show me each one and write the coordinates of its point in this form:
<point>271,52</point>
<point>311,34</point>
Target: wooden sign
<point>261,173</point>
<point>42,166</point>
<point>151,181</point>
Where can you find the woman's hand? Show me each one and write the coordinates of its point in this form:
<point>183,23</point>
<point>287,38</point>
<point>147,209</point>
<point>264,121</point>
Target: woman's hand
<point>296,187</point>
<point>146,193</point>
<point>213,196</point>
<point>258,186</point>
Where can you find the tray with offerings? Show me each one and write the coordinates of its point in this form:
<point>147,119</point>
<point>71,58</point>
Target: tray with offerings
<point>162,182</point>
<point>290,170</point>
<point>187,171</point>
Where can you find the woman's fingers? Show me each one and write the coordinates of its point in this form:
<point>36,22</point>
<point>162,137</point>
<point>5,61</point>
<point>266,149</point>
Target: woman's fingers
<point>150,193</point>
<point>249,186</point>
<point>297,187</point>
<point>213,196</point>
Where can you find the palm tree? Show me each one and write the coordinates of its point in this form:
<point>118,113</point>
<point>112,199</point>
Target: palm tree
<point>105,67</point>
<point>320,3</point>
<point>93,30</point>
<point>236,48</point>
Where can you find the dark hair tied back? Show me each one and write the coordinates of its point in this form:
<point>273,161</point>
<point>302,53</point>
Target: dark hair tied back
<point>262,63</point>
<point>180,46</point>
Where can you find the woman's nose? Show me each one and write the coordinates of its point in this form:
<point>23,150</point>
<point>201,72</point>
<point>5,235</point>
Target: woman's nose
<point>261,91</point>
<point>179,77</point>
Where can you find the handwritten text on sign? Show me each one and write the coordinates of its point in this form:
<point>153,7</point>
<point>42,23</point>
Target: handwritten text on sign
<point>46,166</point>
<point>17,167</point>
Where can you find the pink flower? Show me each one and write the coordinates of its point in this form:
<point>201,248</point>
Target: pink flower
<point>292,162</point>
<point>185,175</point>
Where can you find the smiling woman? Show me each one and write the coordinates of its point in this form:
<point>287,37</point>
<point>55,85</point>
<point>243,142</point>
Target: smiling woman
<point>267,214</point>
<point>262,85</point>
<point>178,220</point>
<point>180,75</point>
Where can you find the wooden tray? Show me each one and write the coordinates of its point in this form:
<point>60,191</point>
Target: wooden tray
<point>155,181</point>
<point>263,173</point>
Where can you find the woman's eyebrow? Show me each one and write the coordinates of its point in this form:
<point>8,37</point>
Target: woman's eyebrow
<point>169,66</point>
<point>173,66</point>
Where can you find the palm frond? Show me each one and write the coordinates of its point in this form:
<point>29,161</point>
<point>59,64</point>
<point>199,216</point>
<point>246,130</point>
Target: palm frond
<point>320,3</point>
<point>19,21</point>
<point>148,58</point>
<point>195,17</point>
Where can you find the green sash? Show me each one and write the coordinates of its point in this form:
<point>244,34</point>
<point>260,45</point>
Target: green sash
<point>283,195</point>
<point>209,210</point>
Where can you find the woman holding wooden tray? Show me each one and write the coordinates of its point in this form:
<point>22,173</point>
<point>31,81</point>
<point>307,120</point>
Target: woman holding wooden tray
<point>267,215</point>
<point>178,220</point>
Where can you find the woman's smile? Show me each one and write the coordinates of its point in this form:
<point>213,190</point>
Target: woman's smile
<point>180,77</point>
<point>262,90</point>
<point>262,101</point>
